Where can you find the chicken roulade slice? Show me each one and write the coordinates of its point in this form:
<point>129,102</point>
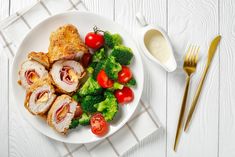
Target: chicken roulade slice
<point>40,96</point>
<point>66,43</point>
<point>61,113</point>
<point>30,72</point>
<point>66,75</point>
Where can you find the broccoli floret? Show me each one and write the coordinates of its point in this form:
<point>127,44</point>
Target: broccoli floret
<point>74,124</point>
<point>90,87</point>
<point>131,83</point>
<point>112,68</point>
<point>85,119</point>
<point>99,55</point>
<point>108,107</point>
<point>88,102</point>
<point>90,70</point>
<point>116,86</point>
<point>100,65</point>
<point>112,40</point>
<point>122,54</point>
<point>76,97</point>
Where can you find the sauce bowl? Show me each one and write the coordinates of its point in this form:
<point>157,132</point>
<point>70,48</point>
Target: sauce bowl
<point>156,45</point>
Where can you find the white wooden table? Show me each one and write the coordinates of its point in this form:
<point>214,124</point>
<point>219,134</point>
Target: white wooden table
<point>212,132</point>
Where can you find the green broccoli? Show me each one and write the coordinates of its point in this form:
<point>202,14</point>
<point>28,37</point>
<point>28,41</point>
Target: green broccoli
<point>74,123</point>
<point>85,119</point>
<point>122,54</point>
<point>90,87</point>
<point>112,68</point>
<point>112,40</point>
<point>100,65</point>
<point>88,102</point>
<point>99,55</point>
<point>76,97</point>
<point>108,107</point>
<point>90,70</point>
<point>131,83</point>
<point>116,86</point>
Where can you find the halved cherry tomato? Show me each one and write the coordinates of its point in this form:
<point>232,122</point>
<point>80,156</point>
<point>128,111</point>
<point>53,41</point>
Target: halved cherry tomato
<point>103,80</point>
<point>94,40</point>
<point>99,126</point>
<point>86,58</point>
<point>124,75</point>
<point>78,111</point>
<point>124,95</point>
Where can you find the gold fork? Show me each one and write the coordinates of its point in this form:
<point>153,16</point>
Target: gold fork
<point>190,64</point>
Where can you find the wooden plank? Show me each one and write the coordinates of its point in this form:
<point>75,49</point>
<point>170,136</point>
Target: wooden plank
<point>194,22</point>
<point>227,82</point>
<point>4,11</point>
<point>155,77</point>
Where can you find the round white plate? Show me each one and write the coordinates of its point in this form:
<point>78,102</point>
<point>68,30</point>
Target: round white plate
<point>38,40</point>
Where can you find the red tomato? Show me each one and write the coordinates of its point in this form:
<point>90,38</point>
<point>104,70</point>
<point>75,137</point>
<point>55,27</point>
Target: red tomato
<point>78,111</point>
<point>124,95</point>
<point>103,80</point>
<point>124,75</point>
<point>94,40</point>
<point>86,58</point>
<point>99,126</point>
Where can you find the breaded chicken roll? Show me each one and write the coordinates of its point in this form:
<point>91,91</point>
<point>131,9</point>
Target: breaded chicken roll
<point>30,72</point>
<point>40,96</point>
<point>61,113</point>
<point>66,43</point>
<point>66,75</point>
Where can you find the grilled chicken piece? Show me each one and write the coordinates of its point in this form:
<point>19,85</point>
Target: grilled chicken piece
<point>30,72</point>
<point>40,96</point>
<point>66,43</point>
<point>40,57</point>
<point>66,75</point>
<point>61,113</point>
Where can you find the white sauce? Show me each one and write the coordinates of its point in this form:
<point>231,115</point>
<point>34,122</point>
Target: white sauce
<point>157,45</point>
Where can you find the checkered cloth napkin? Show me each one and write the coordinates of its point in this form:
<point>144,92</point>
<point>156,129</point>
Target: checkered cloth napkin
<point>138,129</point>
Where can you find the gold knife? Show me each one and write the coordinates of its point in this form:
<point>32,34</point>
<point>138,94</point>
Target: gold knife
<point>211,53</point>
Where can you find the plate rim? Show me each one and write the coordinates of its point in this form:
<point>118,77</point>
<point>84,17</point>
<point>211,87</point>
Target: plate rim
<point>17,54</point>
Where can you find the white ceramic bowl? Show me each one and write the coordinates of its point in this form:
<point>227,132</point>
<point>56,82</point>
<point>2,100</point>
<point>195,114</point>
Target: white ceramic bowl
<point>38,40</point>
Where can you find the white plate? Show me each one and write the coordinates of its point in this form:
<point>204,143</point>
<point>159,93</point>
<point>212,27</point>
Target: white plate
<point>38,40</point>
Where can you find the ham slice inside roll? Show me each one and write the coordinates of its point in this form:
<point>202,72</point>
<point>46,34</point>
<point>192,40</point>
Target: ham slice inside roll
<point>40,97</point>
<point>62,113</point>
<point>66,75</point>
<point>30,72</point>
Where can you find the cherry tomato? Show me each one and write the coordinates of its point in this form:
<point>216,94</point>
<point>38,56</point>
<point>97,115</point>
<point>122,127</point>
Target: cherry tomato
<point>86,58</point>
<point>124,75</point>
<point>94,40</point>
<point>103,80</point>
<point>78,111</point>
<point>124,95</point>
<point>99,126</point>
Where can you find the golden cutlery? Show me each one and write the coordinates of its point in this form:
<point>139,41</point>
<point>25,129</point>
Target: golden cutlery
<point>211,53</point>
<point>190,64</point>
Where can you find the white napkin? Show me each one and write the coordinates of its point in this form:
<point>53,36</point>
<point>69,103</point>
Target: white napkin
<point>138,129</point>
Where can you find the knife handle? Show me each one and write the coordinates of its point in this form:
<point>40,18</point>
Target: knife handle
<point>195,99</point>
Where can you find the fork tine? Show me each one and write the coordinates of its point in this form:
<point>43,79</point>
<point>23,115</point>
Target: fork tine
<point>186,58</point>
<point>191,55</point>
<point>197,52</point>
